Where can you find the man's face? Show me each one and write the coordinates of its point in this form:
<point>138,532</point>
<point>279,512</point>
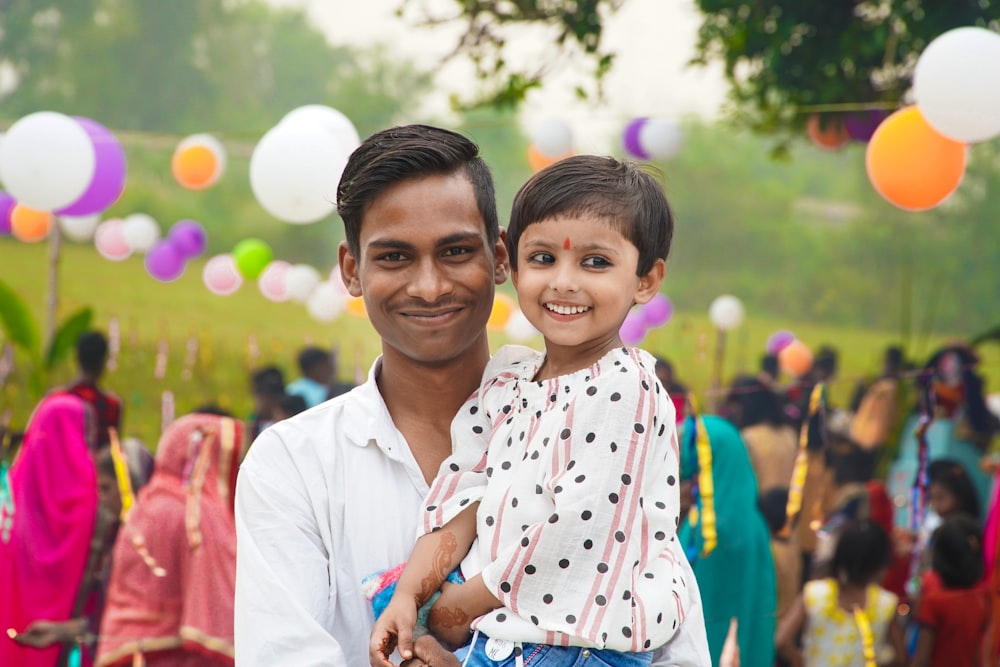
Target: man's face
<point>426,269</point>
<point>110,496</point>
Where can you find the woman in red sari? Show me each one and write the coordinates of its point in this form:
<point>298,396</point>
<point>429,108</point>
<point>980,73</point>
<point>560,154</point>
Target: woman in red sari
<point>48,551</point>
<point>172,586</point>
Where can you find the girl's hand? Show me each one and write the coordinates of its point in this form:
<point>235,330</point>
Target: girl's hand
<point>447,619</point>
<point>394,628</point>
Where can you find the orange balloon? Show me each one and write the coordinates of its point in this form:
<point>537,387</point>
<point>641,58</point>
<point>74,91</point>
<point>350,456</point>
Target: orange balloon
<point>29,225</point>
<point>828,134</point>
<point>911,164</point>
<point>795,358</point>
<point>195,167</point>
<point>503,308</point>
<point>356,306</point>
<point>538,160</point>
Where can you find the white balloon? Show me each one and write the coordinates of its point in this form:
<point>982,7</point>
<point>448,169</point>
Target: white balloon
<point>726,312</point>
<point>80,229</point>
<point>955,84</point>
<point>660,138</point>
<point>329,119</point>
<point>300,281</point>
<point>553,137</point>
<point>337,281</point>
<point>325,303</point>
<point>141,232</point>
<point>47,161</point>
<point>294,172</point>
<point>519,329</point>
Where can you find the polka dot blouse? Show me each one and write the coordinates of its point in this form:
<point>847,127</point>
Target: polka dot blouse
<point>577,482</point>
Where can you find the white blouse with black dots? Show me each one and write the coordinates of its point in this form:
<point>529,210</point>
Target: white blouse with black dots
<point>577,482</point>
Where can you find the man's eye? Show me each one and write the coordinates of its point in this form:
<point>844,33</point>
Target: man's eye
<point>391,257</point>
<point>456,251</point>
<point>596,262</point>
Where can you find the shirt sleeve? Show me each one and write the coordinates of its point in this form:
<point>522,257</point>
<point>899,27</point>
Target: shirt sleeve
<point>617,439</point>
<point>689,647</point>
<point>927,612</point>
<point>282,576</point>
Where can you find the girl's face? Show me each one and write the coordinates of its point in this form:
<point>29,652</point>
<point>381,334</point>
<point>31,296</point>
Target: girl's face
<point>941,500</point>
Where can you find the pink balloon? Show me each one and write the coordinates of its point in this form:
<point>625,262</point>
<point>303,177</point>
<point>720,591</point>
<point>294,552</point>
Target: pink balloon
<point>272,281</point>
<point>633,329</point>
<point>7,204</point>
<point>778,341</point>
<point>657,311</point>
<point>221,276</point>
<point>110,241</point>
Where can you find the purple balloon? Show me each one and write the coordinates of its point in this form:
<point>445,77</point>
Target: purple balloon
<point>189,238</point>
<point>861,125</point>
<point>7,204</point>
<point>165,262</point>
<point>633,329</point>
<point>657,311</point>
<point>778,341</point>
<point>630,139</point>
<point>109,172</point>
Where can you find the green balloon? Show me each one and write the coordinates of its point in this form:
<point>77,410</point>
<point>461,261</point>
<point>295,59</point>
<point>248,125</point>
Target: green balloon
<point>252,256</point>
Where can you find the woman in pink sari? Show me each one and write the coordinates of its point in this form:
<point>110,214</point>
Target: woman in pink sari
<point>46,543</point>
<point>172,586</point>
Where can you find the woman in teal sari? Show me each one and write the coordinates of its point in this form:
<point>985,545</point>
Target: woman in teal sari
<point>736,574</point>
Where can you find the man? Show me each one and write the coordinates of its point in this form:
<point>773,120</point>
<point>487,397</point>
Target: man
<point>91,357</point>
<point>333,494</point>
<point>316,367</point>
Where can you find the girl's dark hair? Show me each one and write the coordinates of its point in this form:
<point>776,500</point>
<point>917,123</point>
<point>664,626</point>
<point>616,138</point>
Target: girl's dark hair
<point>952,476</point>
<point>773,505</point>
<point>619,192</point>
<point>406,153</point>
<point>957,552</point>
<point>862,551</point>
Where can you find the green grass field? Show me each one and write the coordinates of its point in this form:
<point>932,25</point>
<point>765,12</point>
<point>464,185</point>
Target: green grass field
<point>151,314</point>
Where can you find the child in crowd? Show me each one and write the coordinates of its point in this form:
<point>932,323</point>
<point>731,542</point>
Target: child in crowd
<point>847,619</point>
<point>953,617</point>
<point>563,486</point>
<point>951,490</point>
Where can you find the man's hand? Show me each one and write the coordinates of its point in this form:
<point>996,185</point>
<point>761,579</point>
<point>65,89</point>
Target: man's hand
<point>42,634</point>
<point>428,652</point>
<point>393,628</point>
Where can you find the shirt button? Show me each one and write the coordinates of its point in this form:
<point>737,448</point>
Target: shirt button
<point>585,653</point>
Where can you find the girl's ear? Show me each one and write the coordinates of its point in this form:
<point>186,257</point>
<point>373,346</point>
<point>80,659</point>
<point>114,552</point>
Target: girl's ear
<point>649,284</point>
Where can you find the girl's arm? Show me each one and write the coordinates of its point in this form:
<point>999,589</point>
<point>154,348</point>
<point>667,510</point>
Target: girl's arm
<point>788,632</point>
<point>434,557</point>
<point>925,646</point>
<point>458,606</point>
<point>897,641</point>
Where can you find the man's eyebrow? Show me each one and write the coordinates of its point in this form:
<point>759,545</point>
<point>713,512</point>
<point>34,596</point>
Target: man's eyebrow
<point>460,237</point>
<point>389,244</point>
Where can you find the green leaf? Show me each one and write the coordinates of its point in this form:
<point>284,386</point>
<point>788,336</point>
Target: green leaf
<point>65,338</point>
<point>18,324</point>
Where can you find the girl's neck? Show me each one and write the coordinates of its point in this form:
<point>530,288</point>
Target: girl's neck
<point>561,360</point>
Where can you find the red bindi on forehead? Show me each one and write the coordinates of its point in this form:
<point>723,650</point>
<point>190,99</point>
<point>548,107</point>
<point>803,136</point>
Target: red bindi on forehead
<point>566,244</point>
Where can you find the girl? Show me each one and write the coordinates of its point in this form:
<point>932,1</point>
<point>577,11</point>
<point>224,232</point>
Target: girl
<point>846,620</point>
<point>565,471</point>
<point>953,617</point>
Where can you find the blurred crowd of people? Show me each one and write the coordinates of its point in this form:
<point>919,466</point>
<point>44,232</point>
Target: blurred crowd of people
<point>107,553</point>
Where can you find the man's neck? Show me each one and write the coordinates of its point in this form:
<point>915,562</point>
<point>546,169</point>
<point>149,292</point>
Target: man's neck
<point>435,392</point>
<point>88,378</point>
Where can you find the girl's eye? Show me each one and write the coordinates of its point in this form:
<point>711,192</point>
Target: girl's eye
<point>596,262</point>
<point>542,258</point>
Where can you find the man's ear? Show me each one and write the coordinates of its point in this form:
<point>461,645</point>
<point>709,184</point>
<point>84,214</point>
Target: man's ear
<point>649,284</point>
<point>501,266</point>
<point>349,269</point>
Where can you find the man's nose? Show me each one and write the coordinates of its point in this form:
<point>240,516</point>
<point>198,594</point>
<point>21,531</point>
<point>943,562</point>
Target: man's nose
<point>429,281</point>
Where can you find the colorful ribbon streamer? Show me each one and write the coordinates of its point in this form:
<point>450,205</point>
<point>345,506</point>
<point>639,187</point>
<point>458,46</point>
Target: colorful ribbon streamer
<point>817,405</point>
<point>121,474</point>
<point>704,489</point>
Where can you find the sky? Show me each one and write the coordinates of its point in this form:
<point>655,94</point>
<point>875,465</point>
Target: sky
<point>653,39</point>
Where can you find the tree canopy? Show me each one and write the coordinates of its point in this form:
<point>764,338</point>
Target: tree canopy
<point>787,58</point>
